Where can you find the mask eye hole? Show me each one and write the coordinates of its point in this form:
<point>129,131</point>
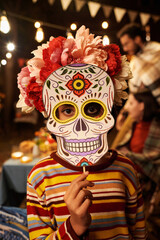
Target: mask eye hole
<point>94,109</point>
<point>65,112</point>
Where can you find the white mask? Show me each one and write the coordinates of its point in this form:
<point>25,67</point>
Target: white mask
<point>88,89</point>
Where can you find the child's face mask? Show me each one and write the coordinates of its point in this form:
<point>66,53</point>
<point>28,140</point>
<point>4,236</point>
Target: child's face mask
<point>78,99</point>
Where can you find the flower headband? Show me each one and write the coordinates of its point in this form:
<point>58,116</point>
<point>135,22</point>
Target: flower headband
<point>84,48</point>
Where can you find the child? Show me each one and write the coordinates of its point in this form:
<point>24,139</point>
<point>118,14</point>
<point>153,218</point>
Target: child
<point>82,191</point>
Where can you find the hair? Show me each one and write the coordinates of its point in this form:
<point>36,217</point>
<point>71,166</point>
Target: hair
<point>132,30</point>
<point>151,107</point>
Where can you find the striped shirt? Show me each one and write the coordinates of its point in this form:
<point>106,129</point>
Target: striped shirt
<point>117,205</point>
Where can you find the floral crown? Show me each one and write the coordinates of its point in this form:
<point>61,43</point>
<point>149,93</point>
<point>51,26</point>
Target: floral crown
<point>59,51</point>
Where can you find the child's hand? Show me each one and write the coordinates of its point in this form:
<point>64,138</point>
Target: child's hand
<point>78,199</point>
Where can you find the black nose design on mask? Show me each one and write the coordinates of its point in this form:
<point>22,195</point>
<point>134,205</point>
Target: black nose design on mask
<point>81,126</point>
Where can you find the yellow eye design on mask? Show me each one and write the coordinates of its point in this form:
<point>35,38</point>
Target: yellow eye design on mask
<point>94,110</point>
<point>65,112</point>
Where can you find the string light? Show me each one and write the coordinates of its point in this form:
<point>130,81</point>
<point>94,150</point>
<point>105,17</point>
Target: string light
<point>37,24</point>
<point>3,62</point>
<point>8,55</point>
<point>39,35</point>
<point>105,24</point>
<point>4,24</point>
<point>105,40</point>
<point>73,26</point>
<point>69,35</point>
<point>10,46</point>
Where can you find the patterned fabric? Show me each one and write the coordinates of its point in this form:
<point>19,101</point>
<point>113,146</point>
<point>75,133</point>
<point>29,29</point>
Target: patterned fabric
<point>116,210</point>
<point>13,224</point>
<point>151,153</point>
<point>145,67</point>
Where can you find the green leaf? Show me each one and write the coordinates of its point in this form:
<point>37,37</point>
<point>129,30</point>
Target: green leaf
<point>56,90</point>
<point>86,71</point>
<point>61,88</point>
<point>96,80</point>
<point>107,80</point>
<point>64,72</point>
<point>59,82</point>
<point>100,88</point>
<point>91,70</point>
<point>95,86</point>
<point>70,72</point>
<point>48,84</point>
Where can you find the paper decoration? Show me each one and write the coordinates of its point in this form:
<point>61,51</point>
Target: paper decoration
<point>65,4</point>
<point>93,8</point>
<point>107,10</point>
<point>119,13</point>
<point>155,18</point>
<point>144,18</point>
<point>79,4</point>
<point>82,137</point>
<point>51,2</point>
<point>132,15</point>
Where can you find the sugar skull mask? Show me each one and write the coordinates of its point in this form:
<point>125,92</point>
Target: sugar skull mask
<point>78,99</point>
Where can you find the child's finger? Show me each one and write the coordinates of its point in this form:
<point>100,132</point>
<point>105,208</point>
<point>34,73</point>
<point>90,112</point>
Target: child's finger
<point>75,188</point>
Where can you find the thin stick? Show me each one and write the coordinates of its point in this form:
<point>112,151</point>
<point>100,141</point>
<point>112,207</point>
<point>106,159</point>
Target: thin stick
<point>84,169</point>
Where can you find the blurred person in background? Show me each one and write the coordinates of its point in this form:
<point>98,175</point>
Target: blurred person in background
<point>145,59</point>
<point>143,145</point>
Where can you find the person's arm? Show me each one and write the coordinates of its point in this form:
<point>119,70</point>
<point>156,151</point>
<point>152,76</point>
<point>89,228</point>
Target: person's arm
<point>143,157</point>
<point>43,226</point>
<point>78,200</point>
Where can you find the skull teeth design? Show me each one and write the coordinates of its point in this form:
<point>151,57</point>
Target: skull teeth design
<point>82,147</point>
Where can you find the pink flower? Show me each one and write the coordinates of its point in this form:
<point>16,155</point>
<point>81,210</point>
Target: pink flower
<point>66,57</point>
<point>34,66</point>
<point>89,49</point>
<point>23,80</point>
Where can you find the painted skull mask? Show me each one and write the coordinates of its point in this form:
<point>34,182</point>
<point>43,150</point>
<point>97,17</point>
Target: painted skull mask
<point>88,89</point>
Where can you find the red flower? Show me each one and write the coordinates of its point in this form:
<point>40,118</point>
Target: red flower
<point>55,49</point>
<point>52,57</point>
<point>114,59</point>
<point>78,84</point>
<point>34,92</point>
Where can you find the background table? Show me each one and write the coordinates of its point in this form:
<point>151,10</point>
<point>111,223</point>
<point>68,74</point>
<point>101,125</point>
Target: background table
<point>14,179</point>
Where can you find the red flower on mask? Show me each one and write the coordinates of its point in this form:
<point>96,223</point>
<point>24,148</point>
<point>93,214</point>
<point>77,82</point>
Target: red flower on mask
<point>114,59</point>
<point>34,92</point>
<point>78,84</point>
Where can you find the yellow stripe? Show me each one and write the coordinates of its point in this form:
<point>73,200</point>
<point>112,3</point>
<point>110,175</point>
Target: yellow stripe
<point>107,201</point>
<point>58,235</point>
<point>37,233</point>
<point>109,233</point>
<point>36,205</point>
